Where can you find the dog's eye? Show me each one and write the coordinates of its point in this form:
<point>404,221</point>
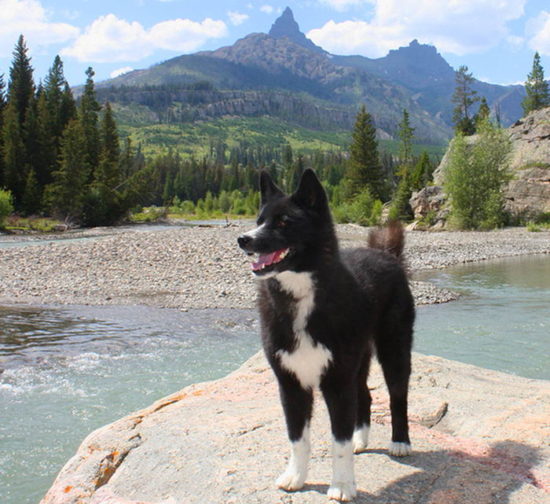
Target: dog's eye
<point>282,222</point>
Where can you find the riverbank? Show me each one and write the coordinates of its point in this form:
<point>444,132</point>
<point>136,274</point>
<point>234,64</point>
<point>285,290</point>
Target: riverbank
<point>202,267</point>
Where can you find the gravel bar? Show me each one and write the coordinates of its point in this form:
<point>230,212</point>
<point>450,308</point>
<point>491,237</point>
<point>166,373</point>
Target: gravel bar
<point>202,267</point>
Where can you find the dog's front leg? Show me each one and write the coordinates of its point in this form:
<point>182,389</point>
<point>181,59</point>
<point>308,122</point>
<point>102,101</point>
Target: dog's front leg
<point>341,399</point>
<point>297,404</point>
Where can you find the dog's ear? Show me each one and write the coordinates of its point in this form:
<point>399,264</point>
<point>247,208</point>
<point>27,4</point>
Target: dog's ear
<point>268,189</point>
<point>310,192</point>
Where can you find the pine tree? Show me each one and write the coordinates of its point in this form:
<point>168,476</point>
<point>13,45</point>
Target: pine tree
<point>2,110</point>
<point>483,113</point>
<point>66,194</point>
<point>13,153</point>
<point>34,162</point>
<point>422,172</point>
<point>400,208</point>
<point>538,95</point>
<point>88,114</point>
<point>364,169</point>
<point>21,85</point>
<point>31,201</point>
<point>20,101</point>
<point>105,206</point>
<point>405,134</point>
<point>463,98</point>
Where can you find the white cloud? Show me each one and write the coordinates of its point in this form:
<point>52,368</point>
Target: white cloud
<point>539,33</point>
<point>185,35</point>
<point>267,9</point>
<point>459,27</point>
<point>110,39</point>
<point>29,18</point>
<point>120,71</point>
<point>342,5</point>
<point>237,18</point>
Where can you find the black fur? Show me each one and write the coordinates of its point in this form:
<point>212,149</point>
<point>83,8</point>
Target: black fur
<point>362,303</point>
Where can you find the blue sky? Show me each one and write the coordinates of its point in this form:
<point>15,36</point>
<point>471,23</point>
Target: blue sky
<point>496,39</point>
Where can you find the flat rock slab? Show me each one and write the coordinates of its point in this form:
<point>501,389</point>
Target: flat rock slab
<point>478,436</point>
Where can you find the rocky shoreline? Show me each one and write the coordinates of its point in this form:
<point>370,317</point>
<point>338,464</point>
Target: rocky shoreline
<point>201,267</point>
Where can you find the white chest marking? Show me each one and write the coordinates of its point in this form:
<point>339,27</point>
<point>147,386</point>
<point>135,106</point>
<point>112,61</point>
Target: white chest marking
<point>308,360</point>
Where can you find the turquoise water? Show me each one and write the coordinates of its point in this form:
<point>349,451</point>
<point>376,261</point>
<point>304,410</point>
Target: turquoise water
<point>67,371</point>
<point>501,321</point>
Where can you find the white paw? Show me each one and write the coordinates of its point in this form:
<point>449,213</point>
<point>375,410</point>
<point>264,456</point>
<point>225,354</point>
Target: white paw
<point>291,481</point>
<point>342,491</point>
<point>399,449</point>
<point>360,439</point>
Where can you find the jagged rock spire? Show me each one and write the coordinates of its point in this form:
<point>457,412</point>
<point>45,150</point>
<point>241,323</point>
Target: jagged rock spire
<point>286,26</point>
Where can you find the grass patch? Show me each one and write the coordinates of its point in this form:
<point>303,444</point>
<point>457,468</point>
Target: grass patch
<point>33,224</point>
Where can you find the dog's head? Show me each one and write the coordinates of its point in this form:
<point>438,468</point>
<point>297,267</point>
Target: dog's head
<point>291,228</point>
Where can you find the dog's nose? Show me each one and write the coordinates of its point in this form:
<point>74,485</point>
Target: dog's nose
<point>243,241</point>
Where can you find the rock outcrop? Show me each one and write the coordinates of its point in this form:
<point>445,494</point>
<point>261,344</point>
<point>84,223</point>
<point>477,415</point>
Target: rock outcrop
<point>478,436</point>
<point>527,194</point>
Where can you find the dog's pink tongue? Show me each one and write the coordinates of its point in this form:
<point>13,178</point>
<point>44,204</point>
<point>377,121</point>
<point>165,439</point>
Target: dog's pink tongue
<point>264,260</point>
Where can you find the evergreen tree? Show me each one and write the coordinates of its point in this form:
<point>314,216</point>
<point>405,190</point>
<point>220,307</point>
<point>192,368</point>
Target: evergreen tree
<point>68,106</point>
<point>13,153</point>
<point>463,98</point>
<point>422,172</point>
<point>483,112</point>
<point>34,162</point>
<point>405,134</point>
<point>364,169</point>
<point>66,194</point>
<point>2,109</point>
<point>400,208</point>
<point>21,85</point>
<point>88,114</point>
<point>105,204</point>
<point>538,95</point>
<point>31,202</point>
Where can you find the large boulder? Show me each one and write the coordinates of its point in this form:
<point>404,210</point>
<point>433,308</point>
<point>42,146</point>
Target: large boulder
<point>528,194</point>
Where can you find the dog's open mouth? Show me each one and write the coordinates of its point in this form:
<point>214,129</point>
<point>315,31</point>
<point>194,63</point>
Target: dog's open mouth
<point>267,260</point>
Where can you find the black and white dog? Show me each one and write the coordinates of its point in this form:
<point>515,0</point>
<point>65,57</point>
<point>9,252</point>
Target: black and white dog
<point>323,313</point>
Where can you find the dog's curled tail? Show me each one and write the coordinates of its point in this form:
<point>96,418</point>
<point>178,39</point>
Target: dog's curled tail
<point>390,239</point>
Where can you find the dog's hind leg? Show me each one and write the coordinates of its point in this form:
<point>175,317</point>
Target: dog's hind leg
<point>396,365</point>
<point>298,406</point>
<point>341,399</point>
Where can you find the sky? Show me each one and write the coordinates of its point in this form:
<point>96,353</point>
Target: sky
<point>496,39</point>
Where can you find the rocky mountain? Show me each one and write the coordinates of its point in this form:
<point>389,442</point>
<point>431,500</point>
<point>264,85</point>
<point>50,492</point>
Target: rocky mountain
<point>285,62</point>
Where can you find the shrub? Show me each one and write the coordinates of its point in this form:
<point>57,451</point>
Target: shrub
<point>363,209</point>
<point>6,205</point>
<point>475,177</point>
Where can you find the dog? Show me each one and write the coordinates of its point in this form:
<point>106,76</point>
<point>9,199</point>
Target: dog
<point>324,312</point>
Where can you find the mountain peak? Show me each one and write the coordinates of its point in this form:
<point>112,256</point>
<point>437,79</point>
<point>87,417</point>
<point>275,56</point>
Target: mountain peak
<point>285,26</point>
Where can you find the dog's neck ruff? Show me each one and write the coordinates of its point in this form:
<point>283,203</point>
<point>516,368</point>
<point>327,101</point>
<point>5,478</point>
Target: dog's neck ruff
<point>308,360</point>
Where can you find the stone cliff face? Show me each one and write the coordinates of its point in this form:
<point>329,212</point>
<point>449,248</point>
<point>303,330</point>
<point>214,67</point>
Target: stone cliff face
<point>528,193</point>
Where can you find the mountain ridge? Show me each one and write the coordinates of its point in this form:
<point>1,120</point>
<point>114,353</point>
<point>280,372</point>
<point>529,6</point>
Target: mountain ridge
<point>415,77</point>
